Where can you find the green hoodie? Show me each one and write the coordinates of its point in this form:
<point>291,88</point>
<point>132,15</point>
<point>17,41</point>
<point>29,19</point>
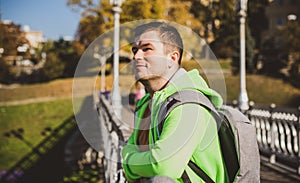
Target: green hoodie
<point>189,133</point>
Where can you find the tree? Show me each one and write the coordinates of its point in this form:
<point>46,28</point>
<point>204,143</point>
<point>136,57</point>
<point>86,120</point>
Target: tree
<point>226,40</point>
<point>96,19</point>
<point>70,58</point>
<point>291,34</point>
<point>281,52</point>
<point>257,19</point>
<point>250,44</point>
<point>11,37</point>
<point>137,9</point>
<point>53,68</point>
<point>64,55</point>
<point>227,35</point>
<point>273,56</point>
<point>89,29</point>
<point>61,61</point>
<point>5,75</point>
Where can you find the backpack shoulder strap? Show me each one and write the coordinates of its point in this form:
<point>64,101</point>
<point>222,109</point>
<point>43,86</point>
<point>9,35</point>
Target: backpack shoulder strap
<point>192,96</point>
<point>182,97</point>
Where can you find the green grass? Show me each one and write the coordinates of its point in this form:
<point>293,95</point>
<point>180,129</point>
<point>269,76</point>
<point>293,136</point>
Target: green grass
<point>33,118</point>
<point>264,90</point>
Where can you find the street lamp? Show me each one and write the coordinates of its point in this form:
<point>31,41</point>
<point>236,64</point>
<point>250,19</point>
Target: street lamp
<point>1,52</point>
<point>116,96</point>
<point>292,17</point>
<point>243,97</point>
<point>101,54</point>
<point>18,133</point>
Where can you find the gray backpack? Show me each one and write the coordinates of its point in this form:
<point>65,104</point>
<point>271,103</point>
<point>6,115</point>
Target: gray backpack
<point>236,134</point>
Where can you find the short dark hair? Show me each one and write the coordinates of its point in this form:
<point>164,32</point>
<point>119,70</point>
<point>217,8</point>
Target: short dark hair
<point>167,33</point>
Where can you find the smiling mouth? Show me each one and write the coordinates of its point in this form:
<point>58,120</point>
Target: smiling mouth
<point>141,65</point>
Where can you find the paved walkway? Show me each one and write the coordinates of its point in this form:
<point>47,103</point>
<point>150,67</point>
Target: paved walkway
<point>272,174</point>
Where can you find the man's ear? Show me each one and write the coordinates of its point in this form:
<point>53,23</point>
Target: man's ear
<point>175,56</point>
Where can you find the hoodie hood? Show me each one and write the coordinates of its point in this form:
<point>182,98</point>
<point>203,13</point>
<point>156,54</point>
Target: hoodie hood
<point>183,80</point>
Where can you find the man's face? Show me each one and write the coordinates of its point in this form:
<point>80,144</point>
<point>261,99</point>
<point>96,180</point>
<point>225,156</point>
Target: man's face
<point>150,60</point>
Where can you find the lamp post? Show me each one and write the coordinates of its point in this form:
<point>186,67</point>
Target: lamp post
<point>102,55</point>
<point>243,97</point>
<point>116,96</point>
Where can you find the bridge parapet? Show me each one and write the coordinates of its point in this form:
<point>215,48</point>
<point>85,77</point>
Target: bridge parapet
<point>278,135</point>
<point>112,132</point>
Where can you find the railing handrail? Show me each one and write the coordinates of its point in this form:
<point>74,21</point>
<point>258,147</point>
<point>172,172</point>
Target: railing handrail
<point>116,123</point>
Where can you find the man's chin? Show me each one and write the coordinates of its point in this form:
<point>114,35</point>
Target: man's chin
<point>146,77</point>
<point>140,77</point>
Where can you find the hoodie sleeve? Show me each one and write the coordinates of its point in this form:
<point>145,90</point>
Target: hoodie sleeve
<point>182,132</point>
<point>127,151</point>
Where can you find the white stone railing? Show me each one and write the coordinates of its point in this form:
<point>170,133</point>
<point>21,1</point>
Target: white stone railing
<point>113,139</point>
<point>278,135</point>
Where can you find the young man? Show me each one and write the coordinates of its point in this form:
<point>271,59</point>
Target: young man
<point>189,131</point>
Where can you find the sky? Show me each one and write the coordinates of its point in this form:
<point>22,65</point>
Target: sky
<point>53,17</point>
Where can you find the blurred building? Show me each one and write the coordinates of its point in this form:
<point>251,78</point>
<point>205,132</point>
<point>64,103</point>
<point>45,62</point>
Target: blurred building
<point>279,12</point>
<point>35,38</point>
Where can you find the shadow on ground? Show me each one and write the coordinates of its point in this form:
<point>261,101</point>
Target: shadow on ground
<point>61,160</point>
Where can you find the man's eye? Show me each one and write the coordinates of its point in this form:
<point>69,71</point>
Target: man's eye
<point>134,50</point>
<point>146,49</point>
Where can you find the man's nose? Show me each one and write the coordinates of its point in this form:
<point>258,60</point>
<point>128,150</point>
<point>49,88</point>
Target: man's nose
<point>138,54</point>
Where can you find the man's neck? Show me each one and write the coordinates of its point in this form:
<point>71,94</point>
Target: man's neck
<point>154,85</point>
<point>157,84</point>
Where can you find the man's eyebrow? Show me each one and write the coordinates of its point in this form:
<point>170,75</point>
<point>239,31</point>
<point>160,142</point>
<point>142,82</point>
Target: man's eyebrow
<point>141,45</point>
